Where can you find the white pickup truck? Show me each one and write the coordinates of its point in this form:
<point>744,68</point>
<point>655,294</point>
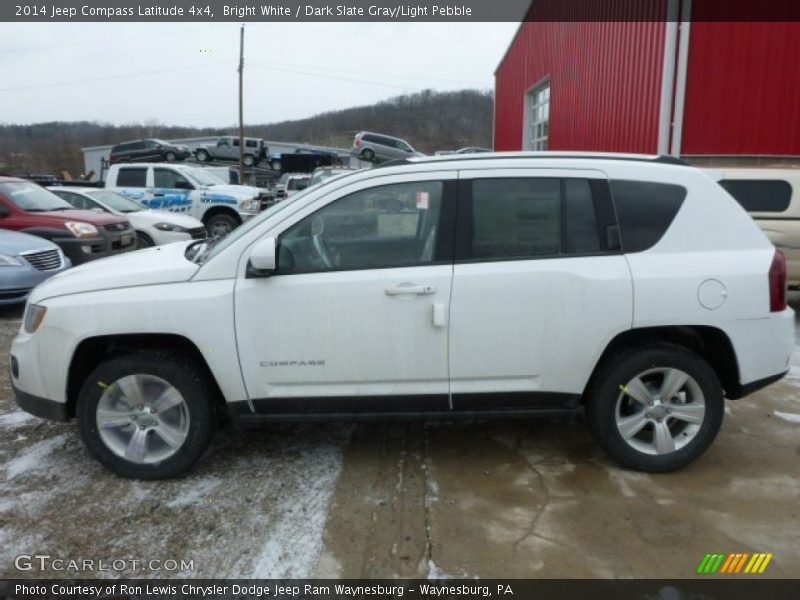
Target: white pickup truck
<point>192,190</point>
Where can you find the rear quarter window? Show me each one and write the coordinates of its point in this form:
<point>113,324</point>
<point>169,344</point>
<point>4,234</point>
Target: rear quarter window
<point>760,195</point>
<point>132,177</point>
<point>645,210</point>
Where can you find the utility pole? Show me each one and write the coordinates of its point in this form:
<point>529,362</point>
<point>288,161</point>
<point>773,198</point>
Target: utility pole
<point>241,106</point>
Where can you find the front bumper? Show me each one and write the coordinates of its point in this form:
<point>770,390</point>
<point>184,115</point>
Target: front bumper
<point>17,282</point>
<point>161,237</point>
<point>40,407</point>
<point>81,250</point>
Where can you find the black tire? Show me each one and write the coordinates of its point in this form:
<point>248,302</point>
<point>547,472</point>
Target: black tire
<point>170,156</point>
<point>202,156</point>
<point>608,387</point>
<point>368,155</point>
<point>249,160</point>
<point>276,165</point>
<point>220,225</point>
<point>143,240</point>
<point>181,374</point>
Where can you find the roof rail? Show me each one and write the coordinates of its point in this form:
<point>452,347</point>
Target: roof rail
<point>662,159</point>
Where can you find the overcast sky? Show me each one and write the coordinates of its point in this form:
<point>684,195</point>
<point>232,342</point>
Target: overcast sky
<point>185,74</point>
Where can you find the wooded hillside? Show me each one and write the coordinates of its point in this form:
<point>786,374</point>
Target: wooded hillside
<point>429,120</point>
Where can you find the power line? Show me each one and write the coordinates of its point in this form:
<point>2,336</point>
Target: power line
<point>107,77</point>
<point>334,77</point>
<point>315,68</point>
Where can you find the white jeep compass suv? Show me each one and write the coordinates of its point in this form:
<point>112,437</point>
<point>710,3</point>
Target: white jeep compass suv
<point>633,287</point>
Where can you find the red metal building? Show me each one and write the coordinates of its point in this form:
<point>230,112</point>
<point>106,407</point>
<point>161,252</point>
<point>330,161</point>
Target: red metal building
<point>655,77</point>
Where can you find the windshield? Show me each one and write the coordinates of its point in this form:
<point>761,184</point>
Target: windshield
<point>201,176</point>
<point>201,251</point>
<point>31,197</point>
<point>321,176</point>
<point>115,201</point>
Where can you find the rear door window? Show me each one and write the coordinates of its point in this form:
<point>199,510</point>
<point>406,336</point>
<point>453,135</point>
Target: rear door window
<point>760,195</point>
<point>532,217</point>
<point>132,177</point>
<point>514,218</point>
<point>645,210</point>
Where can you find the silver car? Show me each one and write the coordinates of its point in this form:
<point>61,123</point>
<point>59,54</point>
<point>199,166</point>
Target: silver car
<point>376,147</point>
<point>25,262</point>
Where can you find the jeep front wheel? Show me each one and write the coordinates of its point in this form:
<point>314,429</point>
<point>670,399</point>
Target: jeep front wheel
<point>146,415</point>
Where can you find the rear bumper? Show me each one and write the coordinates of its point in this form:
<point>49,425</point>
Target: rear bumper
<point>754,386</point>
<point>40,407</point>
<point>763,349</point>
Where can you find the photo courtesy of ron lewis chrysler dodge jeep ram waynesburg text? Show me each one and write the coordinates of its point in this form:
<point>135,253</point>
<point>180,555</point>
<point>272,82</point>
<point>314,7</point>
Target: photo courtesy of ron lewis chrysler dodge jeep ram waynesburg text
<point>633,287</point>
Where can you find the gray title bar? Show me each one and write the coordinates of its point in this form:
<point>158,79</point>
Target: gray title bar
<point>251,10</point>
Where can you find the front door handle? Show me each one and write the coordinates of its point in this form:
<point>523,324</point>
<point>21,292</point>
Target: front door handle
<point>410,289</point>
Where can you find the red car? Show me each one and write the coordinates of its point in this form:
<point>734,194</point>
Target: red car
<point>83,235</point>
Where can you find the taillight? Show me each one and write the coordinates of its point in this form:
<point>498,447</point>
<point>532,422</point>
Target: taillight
<point>777,282</point>
<point>357,141</point>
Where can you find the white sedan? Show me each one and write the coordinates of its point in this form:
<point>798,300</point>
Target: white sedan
<point>153,227</point>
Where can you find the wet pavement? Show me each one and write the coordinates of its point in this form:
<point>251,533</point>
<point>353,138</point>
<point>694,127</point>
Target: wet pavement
<point>508,498</point>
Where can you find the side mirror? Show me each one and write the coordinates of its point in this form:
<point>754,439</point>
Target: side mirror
<point>262,259</point>
<point>183,185</point>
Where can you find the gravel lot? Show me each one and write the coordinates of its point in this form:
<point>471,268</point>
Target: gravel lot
<point>477,499</point>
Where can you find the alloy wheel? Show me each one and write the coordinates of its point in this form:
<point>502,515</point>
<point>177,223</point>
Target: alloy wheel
<point>660,411</point>
<point>142,418</point>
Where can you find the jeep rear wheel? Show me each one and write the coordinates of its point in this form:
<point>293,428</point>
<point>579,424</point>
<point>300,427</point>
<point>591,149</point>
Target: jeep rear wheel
<point>202,156</point>
<point>656,409</point>
<point>146,415</point>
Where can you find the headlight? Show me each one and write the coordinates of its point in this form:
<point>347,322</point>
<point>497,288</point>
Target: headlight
<point>34,315</point>
<point>9,261</point>
<point>82,230</point>
<point>170,227</point>
<point>252,204</point>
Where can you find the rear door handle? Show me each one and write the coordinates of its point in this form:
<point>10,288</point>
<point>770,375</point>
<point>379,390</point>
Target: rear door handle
<point>410,289</point>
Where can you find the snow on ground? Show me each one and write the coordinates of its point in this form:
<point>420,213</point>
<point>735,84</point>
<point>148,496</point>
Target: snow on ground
<point>790,417</point>
<point>296,541</point>
<point>16,419</point>
<point>255,506</point>
<point>34,458</point>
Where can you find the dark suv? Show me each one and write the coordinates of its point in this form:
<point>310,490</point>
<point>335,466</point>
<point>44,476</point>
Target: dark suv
<point>148,150</point>
<point>82,235</point>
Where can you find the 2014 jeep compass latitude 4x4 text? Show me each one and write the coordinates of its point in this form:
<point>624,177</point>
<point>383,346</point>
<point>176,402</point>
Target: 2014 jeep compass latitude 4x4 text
<point>632,286</point>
